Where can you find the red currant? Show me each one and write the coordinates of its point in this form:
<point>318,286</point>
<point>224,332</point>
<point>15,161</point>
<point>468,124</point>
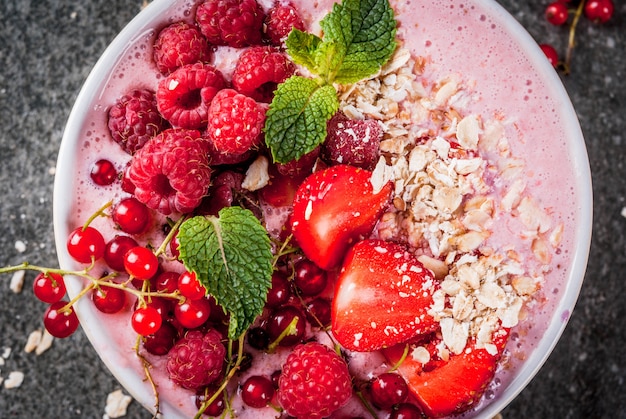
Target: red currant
<point>192,313</point>
<point>257,391</point>
<point>318,312</point>
<point>141,263</point>
<point>60,324</point>
<point>599,11</point>
<point>115,250</point>
<point>167,281</point>
<point>190,287</point>
<point>131,216</point>
<point>309,278</point>
<point>280,319</point>
<point>551,54</point>
<point>216,408</point>
<point>85,244</point>
<point>49,287</point>
<point>387,390</point>
<point>146,320</point>
<point>557,13</point>
<point>161,341</point>
<point>406,411</point>
<point>280,292</point>
<point>103,172</point>
<point>174,246</point>
<point>108,300</point>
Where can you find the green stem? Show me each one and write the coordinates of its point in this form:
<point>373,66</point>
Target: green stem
<point>571,43</point>
<point>98,213</point>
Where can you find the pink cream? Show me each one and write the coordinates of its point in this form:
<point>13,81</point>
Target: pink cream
<point>478,49</point>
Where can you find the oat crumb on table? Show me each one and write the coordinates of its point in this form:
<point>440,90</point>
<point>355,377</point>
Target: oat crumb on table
<point>14,380</point>
<point>117,402</point>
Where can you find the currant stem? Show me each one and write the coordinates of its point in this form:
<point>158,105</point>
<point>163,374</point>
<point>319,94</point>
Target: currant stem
<point>231,373</point>
<point>572,34</point>
<point>401,360</point>
<point>98,213</point>
<point>291,329</point>
<point>146,368</point>
<point>169,237</point>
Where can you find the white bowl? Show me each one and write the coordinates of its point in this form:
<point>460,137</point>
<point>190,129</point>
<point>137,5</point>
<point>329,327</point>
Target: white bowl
<point>512,75</point>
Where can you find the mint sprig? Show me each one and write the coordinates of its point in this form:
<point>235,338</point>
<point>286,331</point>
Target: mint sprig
<point>359,37</point>
<point>232,258</point>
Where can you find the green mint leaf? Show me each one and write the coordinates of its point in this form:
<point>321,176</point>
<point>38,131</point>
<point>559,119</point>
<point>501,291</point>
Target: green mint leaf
<point>297,117</point>
<point>231,256</point>
<point>302,47</point>
<point>363,32</point>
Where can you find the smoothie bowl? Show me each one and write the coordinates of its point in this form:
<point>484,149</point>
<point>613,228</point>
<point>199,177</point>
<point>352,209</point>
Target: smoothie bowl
<point>294,209</point>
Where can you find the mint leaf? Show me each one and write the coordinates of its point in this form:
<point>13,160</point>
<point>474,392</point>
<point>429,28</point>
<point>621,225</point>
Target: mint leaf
<point>231,256</point>
<point>363,32</point>
<point>296,119</point>
<point>302,48</point>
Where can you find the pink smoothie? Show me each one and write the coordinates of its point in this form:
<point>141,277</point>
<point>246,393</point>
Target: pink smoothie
<point>464,39</point>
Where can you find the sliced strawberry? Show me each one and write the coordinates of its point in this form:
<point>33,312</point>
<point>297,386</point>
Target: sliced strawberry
<point>334,208</point>
<point>382,297</point>
<point>281,189</point>
<point>443,388</point>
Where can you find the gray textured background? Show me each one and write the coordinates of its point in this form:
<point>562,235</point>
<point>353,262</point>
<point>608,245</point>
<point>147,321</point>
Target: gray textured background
<point>48,47</point>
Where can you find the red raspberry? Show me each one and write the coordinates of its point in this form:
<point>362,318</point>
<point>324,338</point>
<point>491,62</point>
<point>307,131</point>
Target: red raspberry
<point>134,119</point>
<point>171,172</point>
<point>259,70</point>
<point>237,23</point>
<point>179,44</point>
<point>183,97</point>
<point>235,122</point>
<point>351,141</point>
<point>196,360</point>
<point>280,20</point>
<point>314,382</point>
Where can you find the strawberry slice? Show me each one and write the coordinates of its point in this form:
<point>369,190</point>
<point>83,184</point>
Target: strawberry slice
<point>332,209</point>
<point>382,297</point>
<point>441,387</point>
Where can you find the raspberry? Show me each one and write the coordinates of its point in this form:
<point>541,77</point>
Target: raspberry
<point>171,172</point>
<point>236,23</point>
<point>179,44</point>
<point>196,360</point>
<point>314,382</point>
<point>351,141</point>
<point>183,97</point>
<point>235,122</point>
<point>134,119</point>
<point>280,20</point>
<point>259,70</point>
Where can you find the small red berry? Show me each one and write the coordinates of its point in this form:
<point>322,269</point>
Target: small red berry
<point>557,13</point>
<point>406,411</point>
<point>131,216</point>
<point>85,244</point>
<point>257,391</point>
<point>49,287</point>
<point>193,313</point>
<point>599,11</point>
<point>141,263</point>
<point>146,320</point>
<point>190,287</point>
<point>216,408</point>
<point>60,324</point>
<point>116,249</point>
<point>309,278</point>
<point>103,172</point>
<point>387,390</point>
<point>108,300</point>
<point>551,54</point>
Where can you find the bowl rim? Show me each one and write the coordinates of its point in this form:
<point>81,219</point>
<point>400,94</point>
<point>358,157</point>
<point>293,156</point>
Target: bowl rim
<point>135,385</point>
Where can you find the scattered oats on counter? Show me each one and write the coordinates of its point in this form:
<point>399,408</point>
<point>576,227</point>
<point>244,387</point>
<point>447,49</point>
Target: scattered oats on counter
<point>117,403</point>
<point>20,246</point>
<point>39,342</point>
<point>440,159</point>
<point>17,281</point>
<point>14,380</point>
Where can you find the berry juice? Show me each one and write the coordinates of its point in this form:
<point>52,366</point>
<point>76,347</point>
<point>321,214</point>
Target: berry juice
<point>461,40</point>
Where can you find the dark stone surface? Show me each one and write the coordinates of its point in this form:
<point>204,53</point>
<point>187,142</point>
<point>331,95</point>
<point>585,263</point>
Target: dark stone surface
<point>47,50</point>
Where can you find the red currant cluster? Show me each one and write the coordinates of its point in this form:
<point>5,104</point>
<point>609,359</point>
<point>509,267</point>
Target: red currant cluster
<point>558,13</point>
